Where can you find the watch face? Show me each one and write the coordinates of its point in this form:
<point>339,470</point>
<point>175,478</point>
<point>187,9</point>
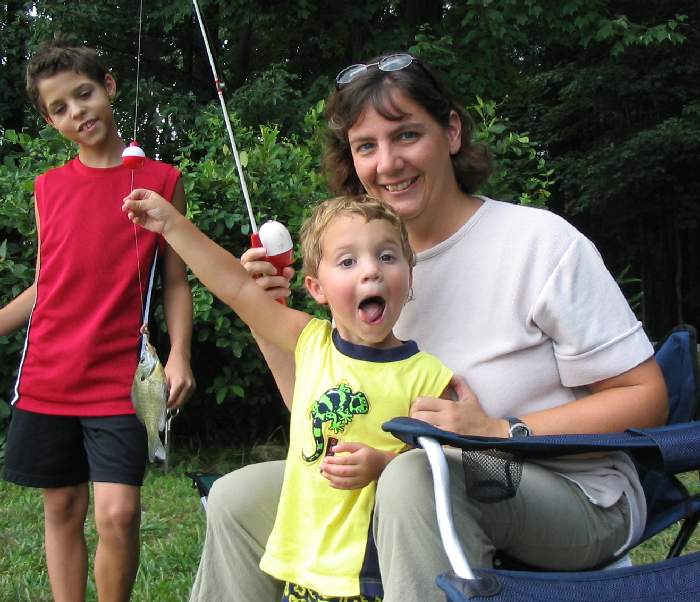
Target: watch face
<point>519,430</point>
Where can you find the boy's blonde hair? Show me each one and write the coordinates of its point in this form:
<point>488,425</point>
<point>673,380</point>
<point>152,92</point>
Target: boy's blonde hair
<point>56,56</point>
<point>314,227</point>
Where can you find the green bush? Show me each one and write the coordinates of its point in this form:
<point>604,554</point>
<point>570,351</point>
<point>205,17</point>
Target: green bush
<point>284,181</point>
<point>520,171</point>
<point>24,159</point>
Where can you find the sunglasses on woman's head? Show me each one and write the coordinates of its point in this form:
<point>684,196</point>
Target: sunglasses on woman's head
<point>392,62</point>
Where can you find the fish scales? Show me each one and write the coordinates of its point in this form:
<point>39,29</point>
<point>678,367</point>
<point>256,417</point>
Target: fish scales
<point>149,395</point>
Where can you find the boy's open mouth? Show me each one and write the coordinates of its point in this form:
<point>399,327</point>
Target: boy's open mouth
<point>371,310</point>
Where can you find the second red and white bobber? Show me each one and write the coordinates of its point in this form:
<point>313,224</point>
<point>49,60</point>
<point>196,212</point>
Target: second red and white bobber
<point>133,156</point>
<point>277,242</point>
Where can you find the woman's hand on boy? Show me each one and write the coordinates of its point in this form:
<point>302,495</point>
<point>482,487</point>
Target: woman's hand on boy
<point>149,210</point>
<point>356,466</point>
<point>265,274</point>
<point>464,415</point>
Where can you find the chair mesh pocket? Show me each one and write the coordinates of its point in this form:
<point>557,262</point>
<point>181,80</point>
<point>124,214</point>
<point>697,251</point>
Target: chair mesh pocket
<point>491,476</point>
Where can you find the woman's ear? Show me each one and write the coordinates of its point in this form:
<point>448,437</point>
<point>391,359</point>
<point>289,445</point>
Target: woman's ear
<point>454,132</point>
<point>315,289</point>
<point>110,85</point>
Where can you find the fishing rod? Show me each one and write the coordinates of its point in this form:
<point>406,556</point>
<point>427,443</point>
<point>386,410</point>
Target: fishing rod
<point>273,235</point>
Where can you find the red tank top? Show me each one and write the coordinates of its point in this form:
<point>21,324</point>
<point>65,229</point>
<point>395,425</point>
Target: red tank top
<point>83,337</point>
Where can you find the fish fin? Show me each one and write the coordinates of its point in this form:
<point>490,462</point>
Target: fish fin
<point>159,451</point>
<point>163,419</point>
<point>156,450</point>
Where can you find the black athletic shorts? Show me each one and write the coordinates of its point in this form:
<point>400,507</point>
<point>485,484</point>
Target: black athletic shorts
<point>58,451</point>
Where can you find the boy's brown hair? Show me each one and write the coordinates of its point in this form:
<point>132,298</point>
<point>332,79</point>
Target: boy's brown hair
<point>314,227</point>
<point>56,56</point>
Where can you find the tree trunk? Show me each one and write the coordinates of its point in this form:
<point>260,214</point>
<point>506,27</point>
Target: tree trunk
<point>189,30</point>
<point>678,269</point>
<point>241,68</point>
<point>418,12</point>
<point>14,49</point>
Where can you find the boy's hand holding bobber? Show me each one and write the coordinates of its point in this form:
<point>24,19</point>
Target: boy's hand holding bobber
<point>149,210</point>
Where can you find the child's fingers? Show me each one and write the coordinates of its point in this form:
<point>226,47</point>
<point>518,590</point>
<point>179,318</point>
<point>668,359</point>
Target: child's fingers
<point>340,481</point>
<point>276,292</point>
<point>177,393</point>
<point>343,465</point>
<point>255,268</point>
<point>340,470</point>
<point>254,254</point>
<point>346,482</point>
<point>130,214</point>
<point>345,460</point>
<point>271,282</point>
<point>133,208</point>
<point>347,447</point>
<point>138,194</point>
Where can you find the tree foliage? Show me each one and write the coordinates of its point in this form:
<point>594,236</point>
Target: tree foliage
<point>284,180</point>
<point>589,106</point>
<point>615,106</point>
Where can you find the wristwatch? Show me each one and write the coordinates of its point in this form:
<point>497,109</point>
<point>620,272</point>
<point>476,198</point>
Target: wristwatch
<point>517,428</point>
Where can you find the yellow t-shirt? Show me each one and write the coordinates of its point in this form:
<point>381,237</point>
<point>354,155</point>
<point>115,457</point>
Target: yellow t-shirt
<point>346,392</point>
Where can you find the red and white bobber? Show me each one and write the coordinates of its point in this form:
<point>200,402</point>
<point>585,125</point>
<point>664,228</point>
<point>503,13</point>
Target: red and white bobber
<point>133,156</point>
<point>277,242</point>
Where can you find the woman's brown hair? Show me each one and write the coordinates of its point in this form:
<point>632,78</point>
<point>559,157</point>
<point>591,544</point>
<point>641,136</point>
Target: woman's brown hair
<point>472,163</point>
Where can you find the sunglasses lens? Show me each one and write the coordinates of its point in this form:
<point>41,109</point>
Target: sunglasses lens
<point>395,62</point>
<point>349,73</point>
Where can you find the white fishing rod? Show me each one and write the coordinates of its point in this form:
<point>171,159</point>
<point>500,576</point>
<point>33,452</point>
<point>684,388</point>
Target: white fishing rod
<point>273,235</point>
<point>220,91</point>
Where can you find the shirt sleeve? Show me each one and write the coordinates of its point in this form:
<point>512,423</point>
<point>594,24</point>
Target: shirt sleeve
<point>581,308</point>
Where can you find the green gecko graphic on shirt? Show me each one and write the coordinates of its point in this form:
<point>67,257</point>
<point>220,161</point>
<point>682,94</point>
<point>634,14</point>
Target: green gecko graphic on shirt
<point>337,406</point>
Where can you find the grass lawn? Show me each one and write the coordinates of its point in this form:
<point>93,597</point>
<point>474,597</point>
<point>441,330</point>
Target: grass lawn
<point>657,547</point>
<point>172,531</point>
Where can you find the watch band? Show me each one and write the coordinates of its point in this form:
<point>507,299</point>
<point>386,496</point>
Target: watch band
<point>517,428</point>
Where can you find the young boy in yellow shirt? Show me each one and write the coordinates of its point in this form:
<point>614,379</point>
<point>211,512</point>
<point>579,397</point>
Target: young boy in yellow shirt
<point>351,376</point>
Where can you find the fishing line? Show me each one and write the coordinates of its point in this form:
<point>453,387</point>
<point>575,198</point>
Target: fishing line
<point>138,68</point>
<point>133,157</point>
<point>136,112</point>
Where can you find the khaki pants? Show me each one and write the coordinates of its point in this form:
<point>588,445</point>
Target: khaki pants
<point>549,522</point>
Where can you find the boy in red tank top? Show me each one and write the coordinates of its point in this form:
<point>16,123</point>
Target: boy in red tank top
<point>73,422</point>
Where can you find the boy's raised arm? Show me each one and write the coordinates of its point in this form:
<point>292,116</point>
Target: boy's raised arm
<point>177,298</point>
<point>217,269</point>
<point>279,361</point>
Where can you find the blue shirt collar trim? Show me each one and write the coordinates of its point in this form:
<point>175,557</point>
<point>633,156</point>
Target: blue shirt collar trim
<point>374,354</point>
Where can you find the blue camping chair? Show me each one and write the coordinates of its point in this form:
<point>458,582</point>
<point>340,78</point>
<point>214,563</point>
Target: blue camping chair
<point>660,454</point>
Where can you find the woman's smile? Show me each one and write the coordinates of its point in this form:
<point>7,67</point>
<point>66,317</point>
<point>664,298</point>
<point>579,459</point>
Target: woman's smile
<point>401,186</point>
